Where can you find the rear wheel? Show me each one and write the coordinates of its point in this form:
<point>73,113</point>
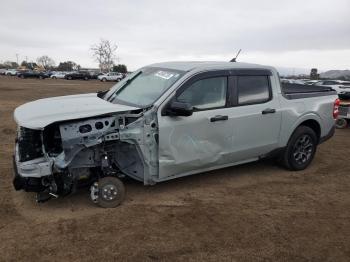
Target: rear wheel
<point>341,123</point>
<point>110,192</point>
<point>300,149</point>
<point>86,78</point>
<point>54,77</point>
<point>104,79</point>
<point>22,76</point>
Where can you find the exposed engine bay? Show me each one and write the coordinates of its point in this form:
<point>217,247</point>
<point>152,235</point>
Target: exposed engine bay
<point>65,156</point>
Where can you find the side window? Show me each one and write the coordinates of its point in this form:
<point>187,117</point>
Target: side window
<point>206,93</point>
<point>253,89</point>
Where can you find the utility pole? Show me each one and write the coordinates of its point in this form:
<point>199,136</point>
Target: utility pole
<point>17,58</point>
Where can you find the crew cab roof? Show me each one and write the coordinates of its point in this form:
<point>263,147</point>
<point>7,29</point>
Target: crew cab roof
<point>205,65</point>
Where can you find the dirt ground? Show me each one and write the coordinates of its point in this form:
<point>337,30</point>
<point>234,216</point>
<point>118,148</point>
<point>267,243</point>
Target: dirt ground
<point>253,212</point>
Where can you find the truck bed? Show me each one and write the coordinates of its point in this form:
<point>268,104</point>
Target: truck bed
<point>296,91</point>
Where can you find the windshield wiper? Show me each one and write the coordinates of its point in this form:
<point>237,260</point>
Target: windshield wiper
<point>127,82</point>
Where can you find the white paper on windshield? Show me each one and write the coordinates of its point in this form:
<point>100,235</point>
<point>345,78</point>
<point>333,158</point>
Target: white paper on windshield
<point>164,75</point>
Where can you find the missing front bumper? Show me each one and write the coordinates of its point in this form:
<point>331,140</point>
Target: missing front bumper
<point>29,184</point>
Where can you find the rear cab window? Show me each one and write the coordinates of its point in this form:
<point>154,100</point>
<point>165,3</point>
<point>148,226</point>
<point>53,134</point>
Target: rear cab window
<point>253,89</point>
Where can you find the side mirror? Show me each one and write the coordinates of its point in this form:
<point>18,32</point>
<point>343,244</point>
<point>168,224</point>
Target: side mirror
<point>177,108</point>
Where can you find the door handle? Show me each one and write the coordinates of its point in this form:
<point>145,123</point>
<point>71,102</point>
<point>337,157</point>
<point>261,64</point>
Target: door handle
<point>218,118</point>
<point>268,111</point>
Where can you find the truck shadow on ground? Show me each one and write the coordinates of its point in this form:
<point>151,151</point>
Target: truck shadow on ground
<point>178,192</point>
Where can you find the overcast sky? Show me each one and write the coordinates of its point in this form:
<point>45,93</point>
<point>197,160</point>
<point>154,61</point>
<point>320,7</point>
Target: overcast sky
<point>294,33</point>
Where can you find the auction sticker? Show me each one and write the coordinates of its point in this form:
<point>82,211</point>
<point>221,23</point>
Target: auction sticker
<point>164,75</point>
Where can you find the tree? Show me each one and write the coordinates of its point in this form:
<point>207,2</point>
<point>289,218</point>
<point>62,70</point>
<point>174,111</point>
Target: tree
<point>45,61</point>
<point>104,54</point>
<point>68,66</point>
<point>120,68</point>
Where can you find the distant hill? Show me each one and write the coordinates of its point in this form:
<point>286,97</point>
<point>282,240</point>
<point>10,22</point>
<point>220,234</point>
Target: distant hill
<point>336,74</point>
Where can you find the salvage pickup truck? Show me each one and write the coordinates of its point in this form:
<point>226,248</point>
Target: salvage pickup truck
<point>165,121</point>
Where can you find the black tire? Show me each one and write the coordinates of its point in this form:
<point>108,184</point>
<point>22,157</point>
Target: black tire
<point>54,77</point>
<point>69,78</point>
<point>41,77</point>
<point>301,149</point>
<point>86,78</point>
<point>22,76</point>
<point>104,79</point>
<point>111,192</point>
<point>341,123</point>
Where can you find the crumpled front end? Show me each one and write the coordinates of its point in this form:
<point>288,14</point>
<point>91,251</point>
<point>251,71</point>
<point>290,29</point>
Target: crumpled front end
<point>64,156</point>
<point>29,162</point>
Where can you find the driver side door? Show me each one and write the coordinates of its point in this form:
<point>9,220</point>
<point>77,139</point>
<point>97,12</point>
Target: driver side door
<point>204,140</point>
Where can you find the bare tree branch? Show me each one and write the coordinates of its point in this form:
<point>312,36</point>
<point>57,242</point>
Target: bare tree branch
<point>45,61</point>
<point>104,54</point>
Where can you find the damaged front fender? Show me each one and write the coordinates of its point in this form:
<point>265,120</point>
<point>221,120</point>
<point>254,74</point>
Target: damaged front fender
<point>129,140</point>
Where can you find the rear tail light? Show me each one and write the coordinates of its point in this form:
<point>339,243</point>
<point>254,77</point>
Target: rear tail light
<point>336,108</point>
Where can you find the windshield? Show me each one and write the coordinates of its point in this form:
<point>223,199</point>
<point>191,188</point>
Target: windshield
<point>144,87</point>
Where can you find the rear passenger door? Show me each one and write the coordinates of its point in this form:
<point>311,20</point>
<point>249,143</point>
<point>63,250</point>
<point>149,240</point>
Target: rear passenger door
<point>256,116</point>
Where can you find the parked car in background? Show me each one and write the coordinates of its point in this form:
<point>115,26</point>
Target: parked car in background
<point>58,75</point>
<point>78,75</point>
<point>344,90</point>
<point>345,95</point>
<point>32,74</point>
<point>94,75</point>
<point>11,72</point>
<point>337,85</point>
<point>311,82</point>
<point>292,81</point>
<point>344,113</point>
<point>111,76</point>
<point>3,71</point>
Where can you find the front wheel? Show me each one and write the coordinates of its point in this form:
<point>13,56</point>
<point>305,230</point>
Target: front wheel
<point>300,149</point>
<point>108,192</point>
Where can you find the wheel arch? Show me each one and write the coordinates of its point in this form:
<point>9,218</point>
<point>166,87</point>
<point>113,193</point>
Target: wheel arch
<point>314,125</point>
<point>310,120</point>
